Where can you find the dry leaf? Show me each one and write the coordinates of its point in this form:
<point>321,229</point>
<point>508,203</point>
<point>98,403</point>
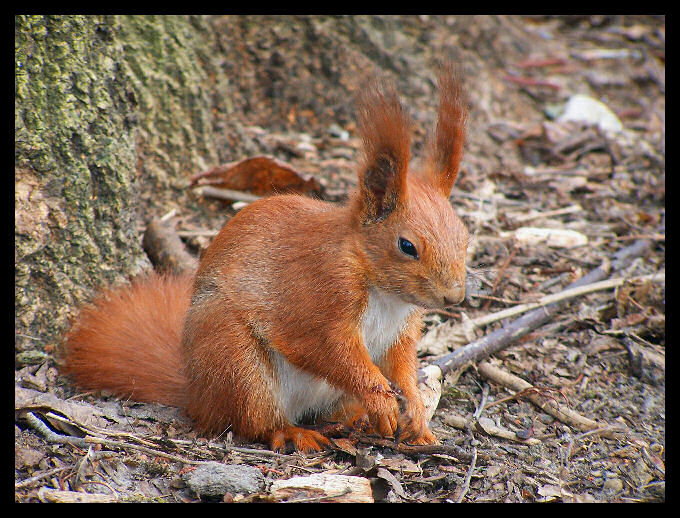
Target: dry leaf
<point>404,465</point>
<point>447,335</point>
<point>258,175</point>
<point>75,412</point>
<point>550,492</point>
<point>345,445</point>
<point>392,481</point>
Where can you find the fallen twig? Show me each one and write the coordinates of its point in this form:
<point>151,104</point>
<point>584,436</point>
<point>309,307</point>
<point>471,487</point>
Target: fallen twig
<point>482,404</point>
<point>468,476</point>
<point>548,405</point>
<point>166,250</point>
<point>540,63</point>
<point>37,478</point>
<point>498,340</point>
<point>197,233</point>
<point>84,442</point>
<point>654,237</point>
<point>423,449</point>
<point>227,194</point>
<point>529,81</point>
<point>523,218</point>
<point>542,391</point>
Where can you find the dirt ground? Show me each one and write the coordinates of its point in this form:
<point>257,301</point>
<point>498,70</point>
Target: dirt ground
<point>602,356</point>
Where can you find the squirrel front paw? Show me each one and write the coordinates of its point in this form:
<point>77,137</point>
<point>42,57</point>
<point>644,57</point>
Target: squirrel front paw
<point>382,409</point>
<point>413,427</point>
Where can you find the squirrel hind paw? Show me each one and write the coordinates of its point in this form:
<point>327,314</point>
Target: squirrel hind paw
<point>426,437</point>
<point>301,439</point>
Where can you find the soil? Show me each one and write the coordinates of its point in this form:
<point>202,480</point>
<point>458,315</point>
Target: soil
<point>603,355</point>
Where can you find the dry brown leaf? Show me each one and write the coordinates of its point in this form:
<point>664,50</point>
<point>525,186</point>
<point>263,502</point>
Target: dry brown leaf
<point>345,445</point>
<point>76,413</point>
<point>392,481</point>
<point>259,175</point>
<point>403,465</point>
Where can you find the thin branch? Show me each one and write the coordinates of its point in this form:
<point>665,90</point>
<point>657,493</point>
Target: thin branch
<point>468,476</point>
<point>423,449</point>
<point>459,422</point>
<point>482,403</point>
<point>85,442</point>
<point>227,194</point>
<point>523,218</point>
<point>166,250</point>
<point>37,478</point>
<point>654,237</point>
<point>549,405</point>
<point>530,81</point>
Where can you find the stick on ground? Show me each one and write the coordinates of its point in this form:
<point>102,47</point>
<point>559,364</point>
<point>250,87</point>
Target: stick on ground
<point>166,250</point>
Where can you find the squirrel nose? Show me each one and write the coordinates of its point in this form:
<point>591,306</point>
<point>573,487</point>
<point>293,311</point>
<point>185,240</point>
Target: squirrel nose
<point>456,296</point>
<point>450,302</point>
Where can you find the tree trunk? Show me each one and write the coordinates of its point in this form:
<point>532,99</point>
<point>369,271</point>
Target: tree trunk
<point>111,115</point>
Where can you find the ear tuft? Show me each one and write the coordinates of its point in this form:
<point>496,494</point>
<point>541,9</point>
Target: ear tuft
<point>384,126</point>
<point>446,146</point>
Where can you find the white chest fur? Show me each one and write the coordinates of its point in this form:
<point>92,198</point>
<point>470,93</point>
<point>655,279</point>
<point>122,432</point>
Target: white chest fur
<point>382,322</point>
<point>301,393</point>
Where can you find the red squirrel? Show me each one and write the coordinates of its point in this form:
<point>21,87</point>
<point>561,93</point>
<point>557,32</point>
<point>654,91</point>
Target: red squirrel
<point>300,308</point>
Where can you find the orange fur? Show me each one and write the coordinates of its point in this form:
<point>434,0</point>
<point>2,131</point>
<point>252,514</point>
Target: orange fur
<point>128,340</point>
<point>446,146</point>
<point>299,308</point>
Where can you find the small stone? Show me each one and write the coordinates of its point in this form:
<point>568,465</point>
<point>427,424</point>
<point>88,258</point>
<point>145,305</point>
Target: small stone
<point>26,457</point>
<point>582,108</point>
<point>177,483</point>
<point>213,479</point>
<point>546,419</point>
<point>338,132</point>
<point>613,484</point>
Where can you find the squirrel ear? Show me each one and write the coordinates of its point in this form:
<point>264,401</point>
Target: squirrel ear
<point>384,127</point>
<point>446,145</point>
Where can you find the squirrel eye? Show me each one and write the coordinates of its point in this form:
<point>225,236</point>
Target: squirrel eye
<point>408,248</point>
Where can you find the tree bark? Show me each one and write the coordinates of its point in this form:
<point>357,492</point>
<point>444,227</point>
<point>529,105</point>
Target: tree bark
<point>111,115</point>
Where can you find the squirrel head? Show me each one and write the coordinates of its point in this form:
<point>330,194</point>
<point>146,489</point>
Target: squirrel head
<point>412,238</point>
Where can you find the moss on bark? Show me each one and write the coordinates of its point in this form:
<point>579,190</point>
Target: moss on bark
<point>110,111</point>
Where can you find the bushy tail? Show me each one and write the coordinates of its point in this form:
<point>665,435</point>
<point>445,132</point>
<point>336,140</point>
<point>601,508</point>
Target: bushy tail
<point>128,340</point>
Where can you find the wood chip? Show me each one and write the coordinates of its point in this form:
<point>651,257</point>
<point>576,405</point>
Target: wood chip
<point>323,487</point>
